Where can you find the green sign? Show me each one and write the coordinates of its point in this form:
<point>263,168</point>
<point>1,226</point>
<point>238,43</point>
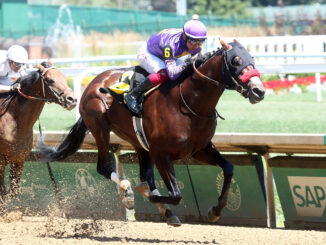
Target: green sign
<point>302,193</point>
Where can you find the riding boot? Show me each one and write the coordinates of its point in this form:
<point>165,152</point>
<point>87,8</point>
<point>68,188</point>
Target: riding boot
<point>134,99</point>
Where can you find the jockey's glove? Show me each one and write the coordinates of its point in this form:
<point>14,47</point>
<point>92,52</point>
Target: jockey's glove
<point>14,87</point>
<point>188,61</point>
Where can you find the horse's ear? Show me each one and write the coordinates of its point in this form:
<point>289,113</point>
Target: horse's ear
<point>236,41</point>
<point>39,66</point>
<point>50,62</point>
<point>225,45</point>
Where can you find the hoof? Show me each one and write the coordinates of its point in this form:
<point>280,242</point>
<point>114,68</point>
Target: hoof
<point>128,202</point>
<point>129,199</point>
<point>211,217</point>
<point>173,221</point>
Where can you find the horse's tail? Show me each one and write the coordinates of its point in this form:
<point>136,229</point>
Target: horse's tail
<point>70,144</point>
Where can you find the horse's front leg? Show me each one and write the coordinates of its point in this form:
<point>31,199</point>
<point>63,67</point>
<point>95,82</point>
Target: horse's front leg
<point>147,186</point>
<point>165,167</point>
<point>210,155</point>
<point>16,170</point>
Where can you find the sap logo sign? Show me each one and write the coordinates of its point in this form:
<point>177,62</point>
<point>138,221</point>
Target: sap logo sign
<point>309,195</point>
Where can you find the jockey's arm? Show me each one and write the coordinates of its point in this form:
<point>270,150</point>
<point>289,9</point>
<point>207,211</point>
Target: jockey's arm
<point>174,69</point>
<point>9,88</point>
<point>5,88</point>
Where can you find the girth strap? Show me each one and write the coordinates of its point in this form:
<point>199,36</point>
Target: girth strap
<point>139,131</point>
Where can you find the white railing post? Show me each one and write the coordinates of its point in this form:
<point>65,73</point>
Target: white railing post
<point>318,87</point>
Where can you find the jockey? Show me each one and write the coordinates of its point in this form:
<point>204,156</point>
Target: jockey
<point>12,62</point>
<point>159,56</point>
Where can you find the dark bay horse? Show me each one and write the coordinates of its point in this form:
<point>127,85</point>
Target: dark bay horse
<point>179,121</point>
<point>18,113</point>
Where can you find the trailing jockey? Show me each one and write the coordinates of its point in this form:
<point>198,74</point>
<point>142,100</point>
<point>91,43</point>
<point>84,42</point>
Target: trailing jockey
<point>12,62</point>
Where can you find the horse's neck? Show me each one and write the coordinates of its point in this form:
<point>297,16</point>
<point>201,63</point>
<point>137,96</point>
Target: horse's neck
<point>28,111</point>
<point>202,94</point>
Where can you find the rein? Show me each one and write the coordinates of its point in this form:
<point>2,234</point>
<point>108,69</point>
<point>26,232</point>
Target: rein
<point>217,83</point>
<point>216,114</point>
<point>214,82</point>
<point>5,103</point>
<point>43,79</point>
<point>235,86</point>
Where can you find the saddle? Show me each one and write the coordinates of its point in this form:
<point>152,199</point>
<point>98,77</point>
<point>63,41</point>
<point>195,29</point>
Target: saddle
<point>128,80</point>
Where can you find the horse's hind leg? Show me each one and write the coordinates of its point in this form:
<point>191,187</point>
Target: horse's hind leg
<point>106,164</point>
<point>210,155</point>
<point>148,185</point>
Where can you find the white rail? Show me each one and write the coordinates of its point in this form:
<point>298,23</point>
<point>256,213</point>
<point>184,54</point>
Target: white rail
<point>274,55</point>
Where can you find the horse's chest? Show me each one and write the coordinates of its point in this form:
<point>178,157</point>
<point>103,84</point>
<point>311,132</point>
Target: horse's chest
<point>8,127</point>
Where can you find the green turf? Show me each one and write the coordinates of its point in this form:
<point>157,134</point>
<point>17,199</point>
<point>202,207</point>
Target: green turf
<point>54,117</point>
<point>287,113</point>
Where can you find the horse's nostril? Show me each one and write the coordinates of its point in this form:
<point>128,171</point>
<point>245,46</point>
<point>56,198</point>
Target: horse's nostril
<point>71,99</point>
<point>259,92</point>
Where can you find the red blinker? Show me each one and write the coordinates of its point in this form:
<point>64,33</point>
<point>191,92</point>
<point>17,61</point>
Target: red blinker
<point>249,74</point>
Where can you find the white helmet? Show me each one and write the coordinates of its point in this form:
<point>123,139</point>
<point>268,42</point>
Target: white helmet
<point>18,54</point>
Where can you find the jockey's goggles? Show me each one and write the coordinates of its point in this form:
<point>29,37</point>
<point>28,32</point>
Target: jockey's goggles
<point>15,64</point>
<point>194,41</point>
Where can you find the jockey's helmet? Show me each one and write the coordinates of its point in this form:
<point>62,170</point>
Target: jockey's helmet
<point>195,29</point>
<point>17,54</point>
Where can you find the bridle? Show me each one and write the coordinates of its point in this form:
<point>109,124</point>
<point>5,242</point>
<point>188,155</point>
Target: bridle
<point>236,85</point>
<point>214,82</point>
<point>58,96</point>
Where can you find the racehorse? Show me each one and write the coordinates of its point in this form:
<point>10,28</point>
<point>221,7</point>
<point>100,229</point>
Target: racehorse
<point>19,111</point>
<point>179,121</point>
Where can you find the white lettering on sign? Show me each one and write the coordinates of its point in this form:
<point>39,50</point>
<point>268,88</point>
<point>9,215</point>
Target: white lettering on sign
<point>234,197</point>
<point>85,183</point>
<point>309,195</point>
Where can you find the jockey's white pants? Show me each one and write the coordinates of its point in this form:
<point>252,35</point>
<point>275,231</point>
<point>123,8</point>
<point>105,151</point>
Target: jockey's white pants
<point>148,61</point>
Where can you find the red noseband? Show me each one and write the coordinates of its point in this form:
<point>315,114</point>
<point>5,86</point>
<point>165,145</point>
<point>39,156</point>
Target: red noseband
<point>249,74</point>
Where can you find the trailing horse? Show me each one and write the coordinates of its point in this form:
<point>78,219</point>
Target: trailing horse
<point>179,120</point>
<point>18,113</point>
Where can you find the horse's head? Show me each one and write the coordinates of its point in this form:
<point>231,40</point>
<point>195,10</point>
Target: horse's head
<point>55,86</point>
<point>239,72</point>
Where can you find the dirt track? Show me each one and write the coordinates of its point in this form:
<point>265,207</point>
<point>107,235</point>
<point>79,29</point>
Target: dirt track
<point>18,229</point>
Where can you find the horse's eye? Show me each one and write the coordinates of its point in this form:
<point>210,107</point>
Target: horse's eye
<point>236,61</point>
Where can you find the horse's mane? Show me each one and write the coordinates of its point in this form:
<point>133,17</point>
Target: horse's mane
<point>28,79</point>
<point>201,59</point>
<point>33,76</point>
